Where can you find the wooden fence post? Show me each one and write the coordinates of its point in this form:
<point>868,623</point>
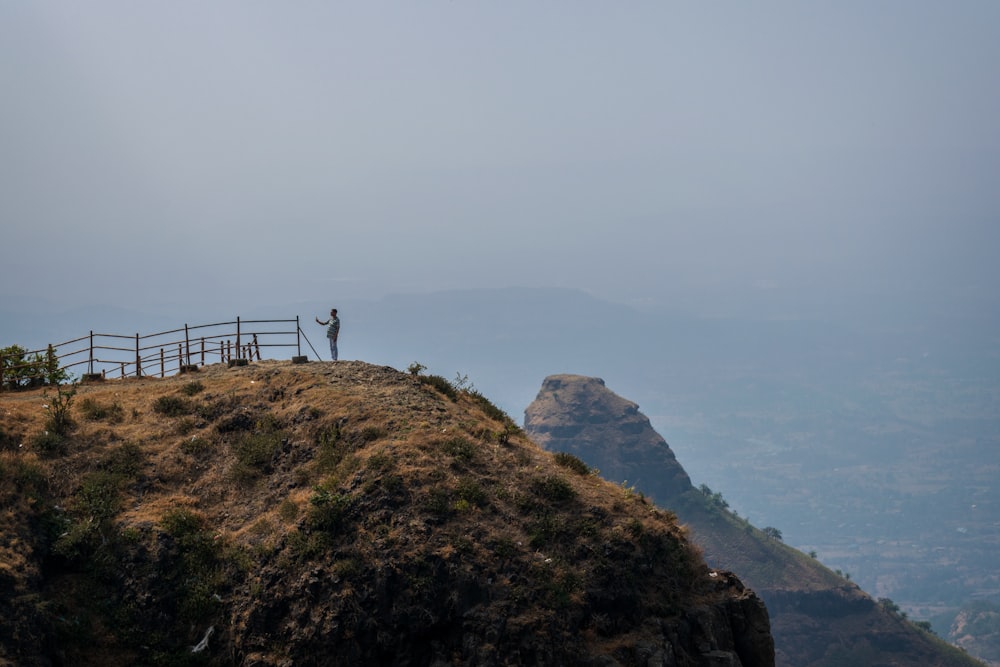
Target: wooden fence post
<point>237,336</point>
<point>138,359</point>
<point>90,365</point>
<point>202,350</point>
<point>162,368</point>
<point>187,346</point>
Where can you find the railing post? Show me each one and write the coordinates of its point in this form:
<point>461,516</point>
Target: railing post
<point>138,359</point>
<point>238,337</point>
<point>298,338</point>
<point>90,365</point>
<point>162,365</point>
<point>187,346</point>
<point>202,350</point>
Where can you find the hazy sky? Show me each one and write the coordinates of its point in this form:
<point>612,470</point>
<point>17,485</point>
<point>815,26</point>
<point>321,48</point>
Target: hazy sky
<point>786,154</point>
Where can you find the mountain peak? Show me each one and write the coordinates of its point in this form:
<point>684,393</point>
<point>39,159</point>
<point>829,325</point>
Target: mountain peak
<point>573,412</point>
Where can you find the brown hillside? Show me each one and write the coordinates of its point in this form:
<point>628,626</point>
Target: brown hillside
<point>334,514</point>
<point>818,618</point>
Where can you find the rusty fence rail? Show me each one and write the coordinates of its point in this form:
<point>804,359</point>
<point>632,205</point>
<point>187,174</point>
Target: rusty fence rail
<point>163,353</point>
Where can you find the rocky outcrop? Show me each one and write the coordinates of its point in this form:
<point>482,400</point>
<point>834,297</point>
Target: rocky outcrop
<point>817,617</point>
<point>573,412</point>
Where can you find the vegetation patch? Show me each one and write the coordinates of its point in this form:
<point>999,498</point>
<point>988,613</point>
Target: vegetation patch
<point>328,510</point>
<point>572,463</point>
<point>553,488</point>
<point>460,448</point>
<point>173,406</point>
<point>441,384</point>
<point>93,410</point>
<point>192,388</point>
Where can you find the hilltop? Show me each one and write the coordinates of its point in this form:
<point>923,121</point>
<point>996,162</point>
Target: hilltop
<point>818,616</point>
<point>334,514</point>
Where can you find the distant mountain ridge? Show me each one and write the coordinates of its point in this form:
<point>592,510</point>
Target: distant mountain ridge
<point>818,617</point>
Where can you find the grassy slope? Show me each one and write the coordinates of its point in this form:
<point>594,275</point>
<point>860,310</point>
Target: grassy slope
<point>181,503</point>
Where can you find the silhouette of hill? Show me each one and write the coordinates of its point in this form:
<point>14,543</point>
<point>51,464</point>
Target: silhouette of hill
<point>333,514</point>
<point>818,617</point>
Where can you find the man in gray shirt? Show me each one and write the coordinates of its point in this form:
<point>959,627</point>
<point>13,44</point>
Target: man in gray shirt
<point>332,331</point>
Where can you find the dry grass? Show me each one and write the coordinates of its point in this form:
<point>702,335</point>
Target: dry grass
<point>352,465</point>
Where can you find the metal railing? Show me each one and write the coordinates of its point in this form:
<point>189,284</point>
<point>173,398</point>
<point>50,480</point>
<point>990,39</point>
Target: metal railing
<point>100,355</point>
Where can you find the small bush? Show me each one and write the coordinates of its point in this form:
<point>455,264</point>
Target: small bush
<point>327,510</point>
<point>173,406</point>
<point>470,490</point>
<point>553,488</point>
<point>192,388</point>
<point>48,444</point>
<point>460,448</point>
<point>100,494</point>
<point>94,411</point>
<point>195,446</point>
<point>237,423</point>
<point>59,420</point>
<point>572,463</point>
<point>441,384</point>
<point>257,450</point>
<point>125,460</point>
<point>288,510</point>
<point>488,407</point>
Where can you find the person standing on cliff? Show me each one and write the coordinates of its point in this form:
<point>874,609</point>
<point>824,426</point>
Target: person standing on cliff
<point>332,331</point>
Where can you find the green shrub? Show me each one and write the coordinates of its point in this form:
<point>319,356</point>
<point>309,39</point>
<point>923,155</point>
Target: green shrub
<point>470,490</point>
<point>94,411</point>
<point>555,489</point>
<point>195,446</point>
<point>572,463</point>
<point>173,406</point>
<point>460,448</point>
<point>100,494</point>
<point>327,510</point>
<point>257,450</point>
<point>488,407</point>
<point>192,388</point>
<point>48,444</point>
<point>20,370</point>
<point>58,419</point>
<point>125,460</point>
<point>441,384</point>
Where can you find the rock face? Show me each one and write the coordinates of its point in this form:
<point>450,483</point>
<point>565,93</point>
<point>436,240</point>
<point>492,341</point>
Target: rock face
<point>571,412</point>
<point>338,514</point>
<point>817,617</point>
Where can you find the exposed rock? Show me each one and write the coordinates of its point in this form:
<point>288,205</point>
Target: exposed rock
<point>817,617</point>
